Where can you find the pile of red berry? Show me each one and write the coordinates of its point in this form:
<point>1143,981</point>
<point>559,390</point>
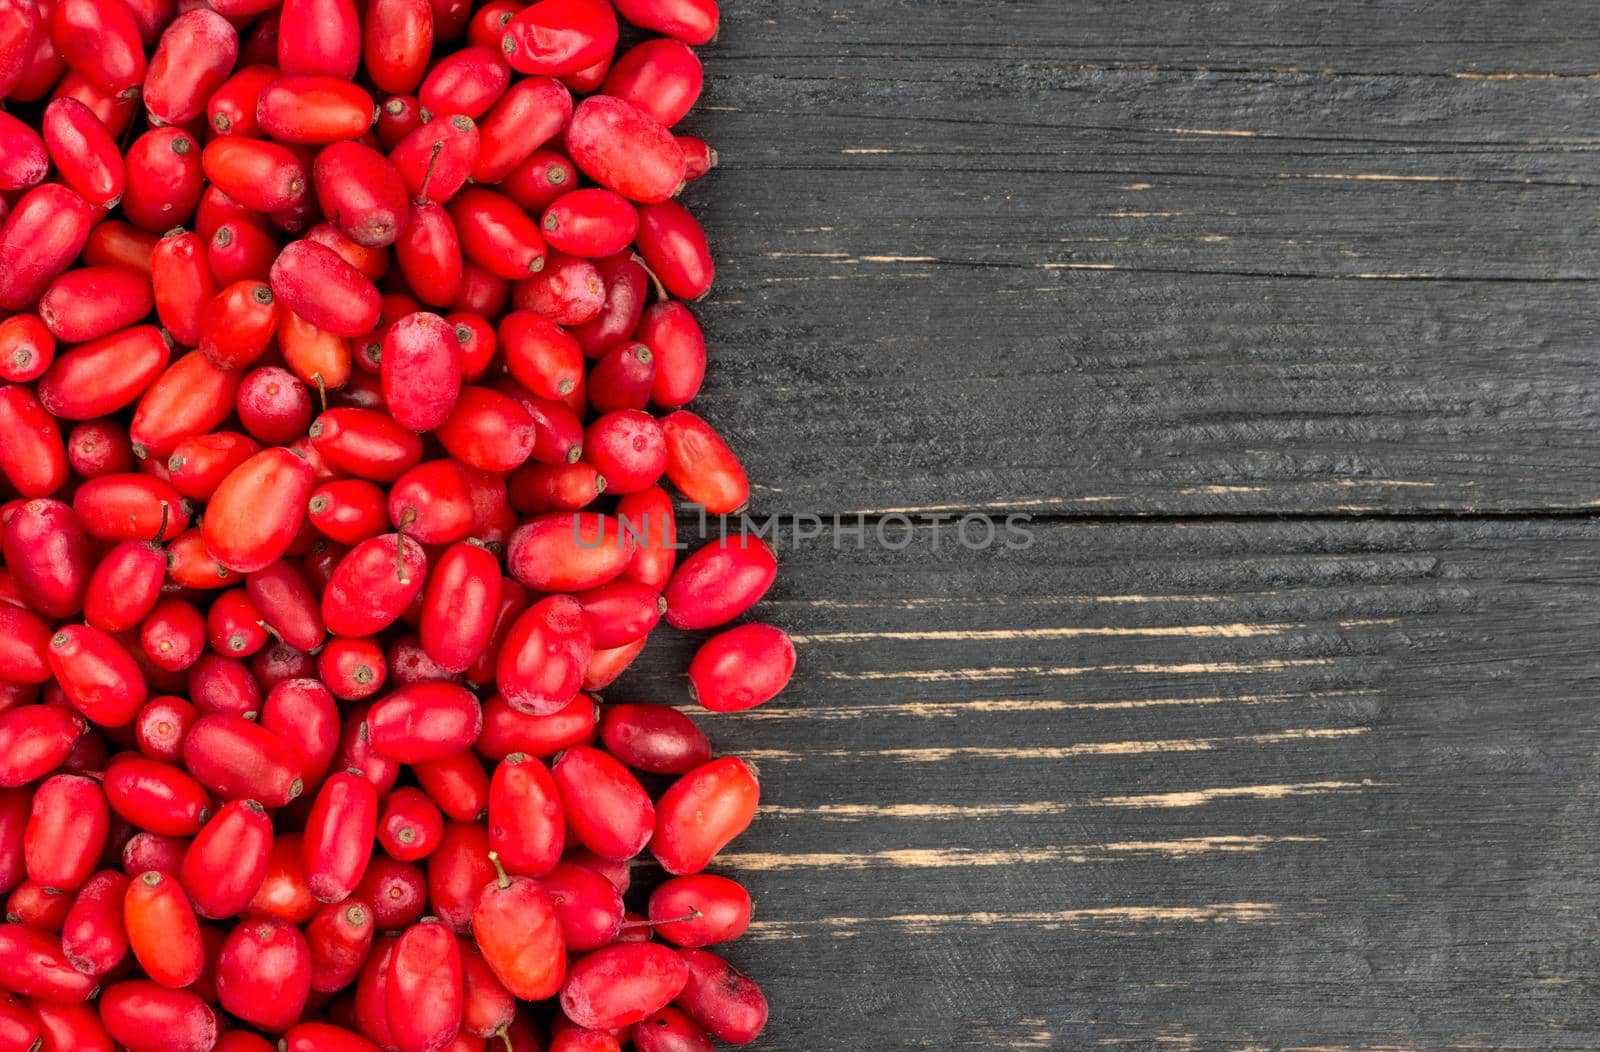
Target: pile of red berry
<point>344,355</point>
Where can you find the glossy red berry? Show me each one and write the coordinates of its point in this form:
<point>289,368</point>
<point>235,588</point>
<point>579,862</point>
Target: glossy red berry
<point>723,1000</point>
<point>626,149</point>
<point>700,910</point>
<point>516,927</point>
<point>691,21</point>
<point>622,984</point>
<point>145,1017</point>
<point>338,836</point>
<point>702,812</point>
<point>163,931</point>
<point>741,668</point>
<point>559,37</point>
<point>424,989</point>
<point>544,656</point>
<point>719,582</point>
<point>263,973</point>
<point>657,739</point>
<point>227,862</point>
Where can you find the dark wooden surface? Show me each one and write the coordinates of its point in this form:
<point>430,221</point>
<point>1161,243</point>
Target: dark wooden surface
<point>1281,317</point>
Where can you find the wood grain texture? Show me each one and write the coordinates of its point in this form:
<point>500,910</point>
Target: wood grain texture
<point>1118,258</point>
<point>1319,783</point>
<point>1281,316</point>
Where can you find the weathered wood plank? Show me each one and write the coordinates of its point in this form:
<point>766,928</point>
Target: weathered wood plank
<point>1473,37</point>
<point>1317,782</point>
<point>1032,255</point>
<point>1306,783</point>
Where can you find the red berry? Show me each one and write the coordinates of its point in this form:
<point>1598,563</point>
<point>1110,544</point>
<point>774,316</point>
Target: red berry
<point>338,836</point>
<point>723,1000</point>
<point>558,37</point>
<point>544,656</point>
<point>144,1017</point>
<point>657,739</point>
<point>163,931</point>
<point>255,513</point>
<point>196,54</point>
<point>339,938</point>
<point>622,984</point>
<point>264,973</point>
<point>424,994</point>
<point>741,668</point>
<point>661,77</point>
<point>702,812</point>
<point>624,148</point>
<point>227,862</point>
<point>516,927</point>
<point>700,910</point>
